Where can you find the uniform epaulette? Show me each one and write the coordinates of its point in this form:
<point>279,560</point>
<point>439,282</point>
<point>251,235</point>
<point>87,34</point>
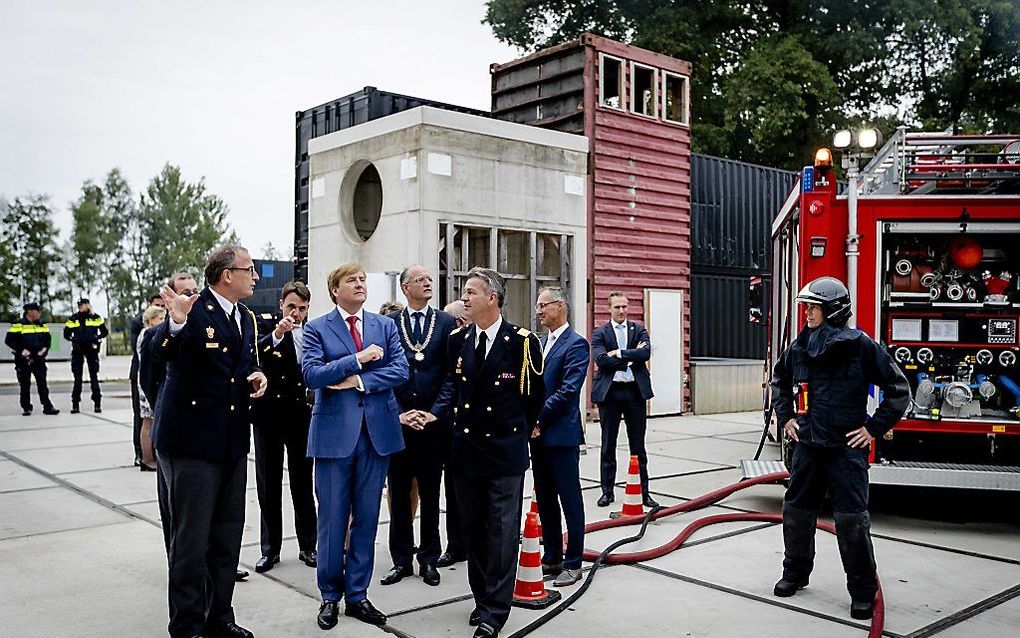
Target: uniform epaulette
<point>267,315</point>
<point>456,330</point>
<point>524,332</point>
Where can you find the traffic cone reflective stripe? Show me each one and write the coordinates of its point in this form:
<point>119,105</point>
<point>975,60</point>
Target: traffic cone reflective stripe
<point>530,591</point>
<point>633,502</point>
<point>534,510</point>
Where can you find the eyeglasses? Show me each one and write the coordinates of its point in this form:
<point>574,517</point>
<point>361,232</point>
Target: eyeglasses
<point>541,306</point>
<point>422,279</point>
<point>250,269</point>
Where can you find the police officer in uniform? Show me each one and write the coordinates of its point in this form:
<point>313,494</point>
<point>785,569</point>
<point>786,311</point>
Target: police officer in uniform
<point>85,330</point>
<point>820,395</point>
<point>424,333</point>
<point>498,393</point>
<point>29,338</point>
<point>281,420</point>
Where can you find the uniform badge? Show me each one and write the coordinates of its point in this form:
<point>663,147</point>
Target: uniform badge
<point>210,332</point>
<point>208,306</point>
<point>419,356</point>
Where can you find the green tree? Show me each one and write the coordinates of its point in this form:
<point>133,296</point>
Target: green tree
<point>31,239</point>
<point>10,298</point>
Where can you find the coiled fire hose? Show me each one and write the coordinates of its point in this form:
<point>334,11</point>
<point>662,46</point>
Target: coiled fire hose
<point>607,557</point>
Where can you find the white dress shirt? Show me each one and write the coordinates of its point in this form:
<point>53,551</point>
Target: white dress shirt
<point>490,334</point>
<point>553,336</point>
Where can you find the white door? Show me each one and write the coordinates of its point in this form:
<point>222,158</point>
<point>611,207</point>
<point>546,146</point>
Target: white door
<point>664,318</point>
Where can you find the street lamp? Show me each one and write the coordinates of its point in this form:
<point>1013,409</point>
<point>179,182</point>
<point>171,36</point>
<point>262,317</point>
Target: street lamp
<point>855,145</point>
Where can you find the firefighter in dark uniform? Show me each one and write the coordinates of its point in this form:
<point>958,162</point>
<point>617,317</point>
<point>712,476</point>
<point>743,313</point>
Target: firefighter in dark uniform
<point>820,395</point>
<point>85,330</point>
<point>29,338</point>
<point>498,393</point>
<point>281,419</point>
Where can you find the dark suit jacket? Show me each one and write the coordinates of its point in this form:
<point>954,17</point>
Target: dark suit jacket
<point>151,374</point>
<point>202,408</point>
<point>285,403</point>
<point>603,340</point>
<point>493,419</point>
<point>566,366</point>
<point>425,389</point>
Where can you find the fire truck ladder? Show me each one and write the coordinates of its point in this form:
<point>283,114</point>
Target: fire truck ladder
<point>919,162</point>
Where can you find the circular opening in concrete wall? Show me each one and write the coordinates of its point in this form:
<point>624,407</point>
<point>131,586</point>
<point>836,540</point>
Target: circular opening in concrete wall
<point>366,203</point>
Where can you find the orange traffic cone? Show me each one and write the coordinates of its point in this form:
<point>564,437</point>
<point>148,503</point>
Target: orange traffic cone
<point>530,591</point>
<point>633,504</point>
<point>534,510</point>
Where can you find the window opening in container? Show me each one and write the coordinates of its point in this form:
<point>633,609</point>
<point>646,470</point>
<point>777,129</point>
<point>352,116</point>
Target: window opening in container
<point>611,82</point>
<point>643,93</point>
<point>367,204</point>
<point>675,103</point>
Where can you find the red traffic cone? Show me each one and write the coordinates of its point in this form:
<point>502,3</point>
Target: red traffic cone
<point>633,504</point>
<point>530,591</point>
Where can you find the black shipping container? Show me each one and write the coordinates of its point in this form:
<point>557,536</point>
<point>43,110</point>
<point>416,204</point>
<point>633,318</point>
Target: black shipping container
<point>272,277</point>
<point>719,317</point>
<point>732,207</point>
<point>357,108</point>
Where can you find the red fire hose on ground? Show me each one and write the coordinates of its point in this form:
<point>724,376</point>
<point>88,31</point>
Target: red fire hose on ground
<point>607,557</point>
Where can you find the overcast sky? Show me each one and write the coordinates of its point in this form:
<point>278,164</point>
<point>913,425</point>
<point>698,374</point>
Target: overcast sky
<point>212,86</point>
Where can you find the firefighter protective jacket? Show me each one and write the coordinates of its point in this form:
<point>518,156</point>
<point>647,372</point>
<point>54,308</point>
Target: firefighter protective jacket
<point>27,335</point>
<point>85,328</point>
<point>822,380</point>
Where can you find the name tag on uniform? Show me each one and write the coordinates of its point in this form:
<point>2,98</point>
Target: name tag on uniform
<point>212,345</point>
<point>507,375</point>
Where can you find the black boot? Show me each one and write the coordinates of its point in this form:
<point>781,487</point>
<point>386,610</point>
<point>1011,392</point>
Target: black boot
<point>799,559</point>
<point>853,535</point>
<point>74,407</point>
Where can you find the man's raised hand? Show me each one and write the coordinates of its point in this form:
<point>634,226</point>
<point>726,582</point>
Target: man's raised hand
<point>286,325</point>
<point>177,305</point>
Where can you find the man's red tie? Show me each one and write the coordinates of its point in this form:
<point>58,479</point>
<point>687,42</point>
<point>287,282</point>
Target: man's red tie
<point>354,331</point>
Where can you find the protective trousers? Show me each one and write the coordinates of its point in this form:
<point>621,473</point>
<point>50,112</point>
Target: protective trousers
<point>843,473</point>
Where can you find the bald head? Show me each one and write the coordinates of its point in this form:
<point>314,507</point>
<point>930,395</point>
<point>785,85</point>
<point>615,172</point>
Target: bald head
<point>416,283</point>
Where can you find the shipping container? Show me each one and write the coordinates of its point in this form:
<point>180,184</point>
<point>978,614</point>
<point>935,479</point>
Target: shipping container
<point>719,317</point>
<point>357,108</point>
<point>632,105</point>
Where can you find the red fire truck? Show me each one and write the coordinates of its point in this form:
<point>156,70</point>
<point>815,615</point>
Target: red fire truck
<point>927,237</point>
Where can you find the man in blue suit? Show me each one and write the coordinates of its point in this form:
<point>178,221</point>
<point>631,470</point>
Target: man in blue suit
<point>620,388</point>
<point>555,453</point>
<point>352,360</point>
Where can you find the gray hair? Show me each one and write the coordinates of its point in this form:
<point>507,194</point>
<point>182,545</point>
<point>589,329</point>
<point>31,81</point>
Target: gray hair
<point>494,283</point>
<point>456,309</point>
<point>557,295</point>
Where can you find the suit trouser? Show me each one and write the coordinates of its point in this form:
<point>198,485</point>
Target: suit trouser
<point>25,372</point>
<point>623,400</point>
<point>79,356</point>
<point>206,508</point>
<point>349,490</point>
<point>136,409</point>
<point>558,485</point>
<point>417,461</point>
<point>843,473</point>
<point>269,448</point>
<point>490,509</point>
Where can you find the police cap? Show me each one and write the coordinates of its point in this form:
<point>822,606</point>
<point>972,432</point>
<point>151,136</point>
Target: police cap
<point>30,306</point>
<point>83,301</point>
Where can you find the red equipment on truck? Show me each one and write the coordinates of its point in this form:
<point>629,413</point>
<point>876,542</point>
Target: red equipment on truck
<point>927,237</point>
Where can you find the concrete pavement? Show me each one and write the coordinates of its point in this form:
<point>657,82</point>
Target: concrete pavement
<point>81,551</point>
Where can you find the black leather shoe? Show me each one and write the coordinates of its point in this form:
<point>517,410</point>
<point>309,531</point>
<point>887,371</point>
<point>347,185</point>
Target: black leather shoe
<point>475,618</point>
<point>552,570</point>
<point>786,588</point>
<point>310,558</point>
<point>396,574</point>
<point>650,502</point>
<point>266,563</point>
<point>74,408</point>
<point>365,611</point>
<point>860,610</point>
<point>485,630</point>
<point>605,499</point>
<point>448,558</point>
<point>329,613</point>
<point>229,630</point>
<point>241,575</point>
<point>26,413</point>
<point>98,409</point>
<point>50,410</point>
<point>147,468</point>
<point>430,575</point>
